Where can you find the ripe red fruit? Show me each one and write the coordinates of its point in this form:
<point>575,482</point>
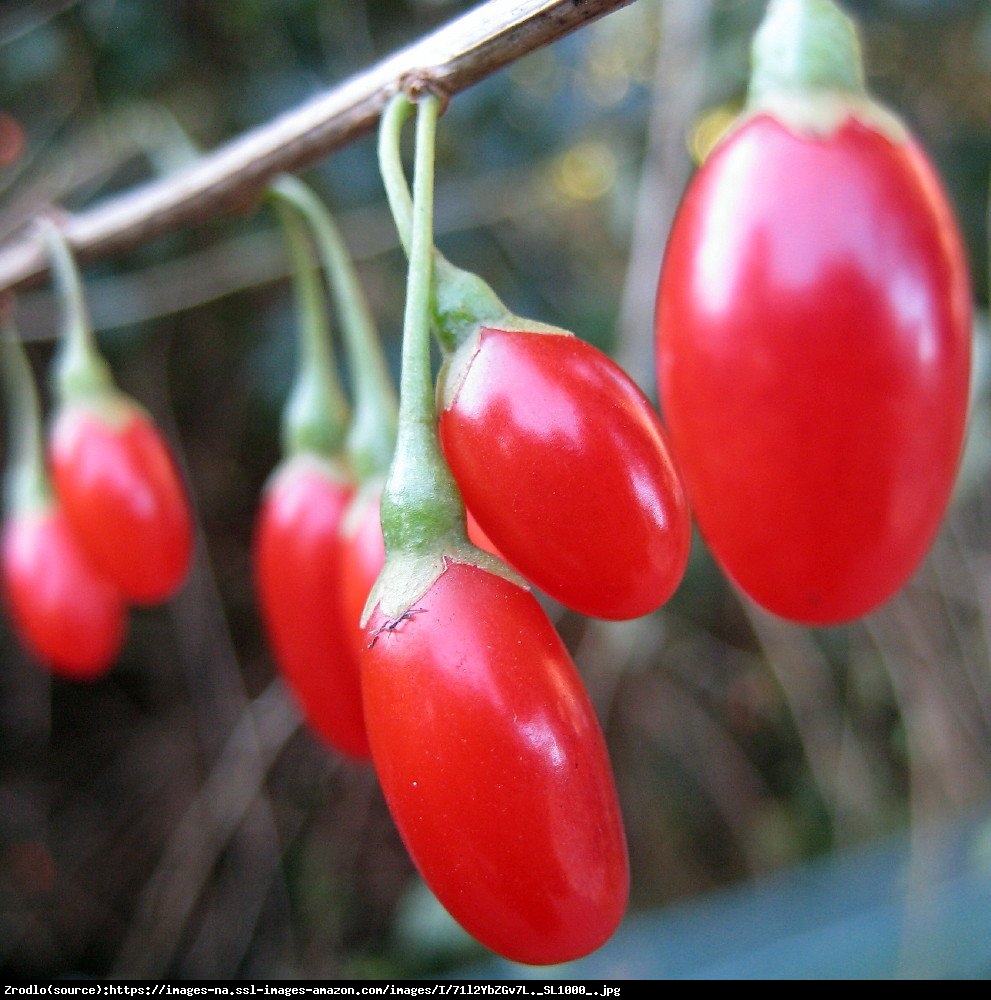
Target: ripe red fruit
<point>814,342</point>
<point>565,464</point>
<point>67,614</point>
<point>122,494</point>
<point>297,555</point>
<point>494,767</point>
<point>558,454</point>
<point>361,561</point>
<point>484,740</point>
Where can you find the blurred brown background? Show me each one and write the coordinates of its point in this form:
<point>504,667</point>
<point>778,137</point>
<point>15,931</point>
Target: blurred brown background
<point>174,820</point>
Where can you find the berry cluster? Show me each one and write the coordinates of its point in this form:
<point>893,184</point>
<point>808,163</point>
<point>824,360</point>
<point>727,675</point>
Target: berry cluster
<point>813,352</point>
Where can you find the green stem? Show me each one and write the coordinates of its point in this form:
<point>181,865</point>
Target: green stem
<point>371,437</point>
<point>25,484</point>
<point>390,157</point>
<point>80,370</point>
<point>421,505</point>
<point>460,301</point>
<point>803,46</point>
<point>315,415</point>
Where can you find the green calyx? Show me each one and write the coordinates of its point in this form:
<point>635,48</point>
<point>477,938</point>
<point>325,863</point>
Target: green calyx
<point>25,484</point>
<point>314,419</point>
<point>80,371</point>
<point>804,47</point>
<point>423,515</point>
<point>421,507</point>
<point>462,302</point>
<point>309,423</point>
<point>807,72</point>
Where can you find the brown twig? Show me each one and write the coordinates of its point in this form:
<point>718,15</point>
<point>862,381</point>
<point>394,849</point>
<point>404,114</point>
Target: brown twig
<point>461,53</point>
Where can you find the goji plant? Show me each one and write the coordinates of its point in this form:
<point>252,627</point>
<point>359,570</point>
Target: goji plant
<point>371,434</point>
<point>297,538</point>
<point>484,740</point>
<point>559,455</point>
<point>67,614</point>
<point>115,476</point>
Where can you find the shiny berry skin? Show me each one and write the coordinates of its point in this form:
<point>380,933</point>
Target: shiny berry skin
<point>68,616</point>
<point>297,554</point>
<point>362,559</point>
<point>118,484</point>
<point>494,767</point>
<point>814,341</point>
<point>565,465</point>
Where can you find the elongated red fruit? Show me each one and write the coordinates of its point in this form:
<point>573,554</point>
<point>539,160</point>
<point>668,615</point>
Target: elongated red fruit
<point>297,553</point>
<point>565,465</point>
<point>121,491</point>
<point>494,767</point>
<point>814,343</point>
<point>68,616</point>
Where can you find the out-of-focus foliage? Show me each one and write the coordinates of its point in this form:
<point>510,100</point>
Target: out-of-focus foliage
<point>174,820</point>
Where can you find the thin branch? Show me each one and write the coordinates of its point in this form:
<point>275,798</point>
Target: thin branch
<point>451,59</point>
<point>253,258</point>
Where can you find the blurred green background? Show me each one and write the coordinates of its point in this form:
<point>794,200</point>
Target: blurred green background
<point>175,821</point>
